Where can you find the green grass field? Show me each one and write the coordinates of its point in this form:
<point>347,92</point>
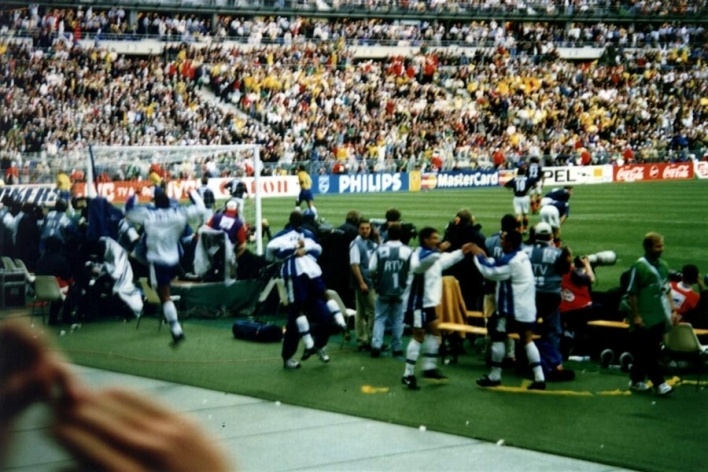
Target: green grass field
<point>603,217</point>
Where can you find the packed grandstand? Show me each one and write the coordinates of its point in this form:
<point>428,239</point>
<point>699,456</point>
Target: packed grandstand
<point>474,92</point>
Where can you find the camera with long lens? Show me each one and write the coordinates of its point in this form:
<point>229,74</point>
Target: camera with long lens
<point>602,258</point>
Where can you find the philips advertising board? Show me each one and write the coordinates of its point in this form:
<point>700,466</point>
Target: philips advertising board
<point>361,183</point>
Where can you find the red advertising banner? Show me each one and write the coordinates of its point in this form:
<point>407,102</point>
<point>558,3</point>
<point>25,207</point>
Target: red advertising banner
<point>118,192</point>
<point>647,172</point>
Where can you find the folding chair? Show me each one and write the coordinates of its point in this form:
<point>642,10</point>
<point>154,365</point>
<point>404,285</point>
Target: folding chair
<point>46,290</point>
<point>682,343</point>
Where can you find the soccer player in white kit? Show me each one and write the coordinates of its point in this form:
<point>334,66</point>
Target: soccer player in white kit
<point>164,225</point>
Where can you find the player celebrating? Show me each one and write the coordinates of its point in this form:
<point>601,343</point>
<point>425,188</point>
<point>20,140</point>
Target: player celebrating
<point>164,226</point>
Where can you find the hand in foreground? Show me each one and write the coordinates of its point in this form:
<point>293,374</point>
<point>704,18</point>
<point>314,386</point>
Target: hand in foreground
<point>30,372</point>
<point>115,430</point>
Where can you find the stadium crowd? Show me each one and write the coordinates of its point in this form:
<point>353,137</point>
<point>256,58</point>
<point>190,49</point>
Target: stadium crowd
<point>78,23</point>
<point>314,101</point>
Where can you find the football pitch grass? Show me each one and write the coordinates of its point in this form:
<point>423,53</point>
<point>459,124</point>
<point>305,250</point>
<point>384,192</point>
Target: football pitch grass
<point>594,417</point>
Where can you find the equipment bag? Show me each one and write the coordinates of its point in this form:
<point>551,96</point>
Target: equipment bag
<point>257,331</point>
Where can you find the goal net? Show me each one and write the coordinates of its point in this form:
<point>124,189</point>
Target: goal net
<point>117,172</point>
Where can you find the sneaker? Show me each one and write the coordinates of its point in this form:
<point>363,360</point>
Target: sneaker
<point>291,364</point>
<point>485,381</point>
<point>307,353</point>
<point>177,339</point>
<point>640,386</point>
<point>664,389</point>
<point>322,354</point>
<point>434,374</point>
<point>363,347</point>
<point>537,385</point>
<point>606,358</point>
<point>410,381</point>
<point>375,353</point>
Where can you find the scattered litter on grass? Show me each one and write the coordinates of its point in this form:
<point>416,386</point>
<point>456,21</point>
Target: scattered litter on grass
<point>501,442</point>
<point>370,389</point>
<point>277,403</point>
<point>422,428</point>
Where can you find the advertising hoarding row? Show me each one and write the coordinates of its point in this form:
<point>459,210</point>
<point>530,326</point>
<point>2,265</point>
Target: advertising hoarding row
<point>287,186</point>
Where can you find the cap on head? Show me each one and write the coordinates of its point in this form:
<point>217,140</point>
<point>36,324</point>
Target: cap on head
<point>231,205</point>
<point>543,229</point>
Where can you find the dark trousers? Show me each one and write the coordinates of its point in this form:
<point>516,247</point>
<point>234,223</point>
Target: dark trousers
<point>311,303</point>
<point>645,346</point>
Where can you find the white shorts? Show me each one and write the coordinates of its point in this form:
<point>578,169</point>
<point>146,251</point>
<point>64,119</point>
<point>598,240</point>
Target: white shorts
<point>522,205</point>
<point>536,189</point>
<point>551,215</point>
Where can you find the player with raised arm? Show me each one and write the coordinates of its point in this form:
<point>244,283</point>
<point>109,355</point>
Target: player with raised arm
<point>164,225</point>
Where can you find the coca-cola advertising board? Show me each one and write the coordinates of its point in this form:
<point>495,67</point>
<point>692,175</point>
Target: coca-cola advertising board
<point>650,172</point>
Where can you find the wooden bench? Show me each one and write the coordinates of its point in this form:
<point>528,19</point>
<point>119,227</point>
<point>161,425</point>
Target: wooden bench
<point>624,325</point>
<point>450,333</point>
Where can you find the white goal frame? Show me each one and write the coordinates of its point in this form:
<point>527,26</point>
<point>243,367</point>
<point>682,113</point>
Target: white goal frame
<point>112,156</point>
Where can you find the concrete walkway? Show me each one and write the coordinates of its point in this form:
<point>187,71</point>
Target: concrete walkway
<point>262,435</point>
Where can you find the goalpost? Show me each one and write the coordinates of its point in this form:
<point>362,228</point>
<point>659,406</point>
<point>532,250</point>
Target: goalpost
<point>128,161</point>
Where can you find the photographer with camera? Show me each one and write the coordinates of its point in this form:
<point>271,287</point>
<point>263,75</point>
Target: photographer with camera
<point>577,306</point>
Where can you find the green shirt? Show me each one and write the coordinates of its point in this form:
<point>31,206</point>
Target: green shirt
<point>649,281</point>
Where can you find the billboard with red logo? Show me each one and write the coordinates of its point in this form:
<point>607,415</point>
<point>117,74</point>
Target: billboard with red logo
<point>648,172</point>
